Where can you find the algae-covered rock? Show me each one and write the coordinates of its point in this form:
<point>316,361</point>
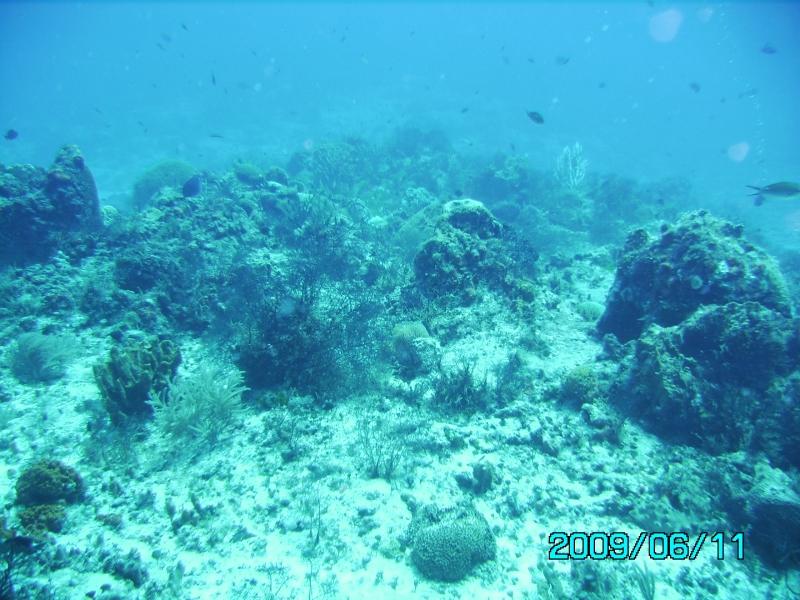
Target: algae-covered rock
<point>701,260</point>
<point>448,543</point>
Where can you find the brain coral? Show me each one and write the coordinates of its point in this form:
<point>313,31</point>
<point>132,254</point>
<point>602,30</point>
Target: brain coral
<point>447,543</point>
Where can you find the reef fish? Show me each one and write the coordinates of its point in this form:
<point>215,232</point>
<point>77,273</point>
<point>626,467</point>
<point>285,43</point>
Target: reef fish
<point>192,186</point>
<point>11,134</point>
<point>782,189</point>
<point>535,117</point>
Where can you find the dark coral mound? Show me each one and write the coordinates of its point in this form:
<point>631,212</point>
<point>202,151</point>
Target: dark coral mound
<point>42,211</point>
<point>773,512</point>
<point>715,349</point>
<point>49,481</point>
<point>705,382</point>
<point>700,260</point>
<point>42,489</point>
<point>469,249</point>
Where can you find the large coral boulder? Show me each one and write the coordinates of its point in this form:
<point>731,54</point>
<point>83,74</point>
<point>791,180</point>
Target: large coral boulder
<point>72,192</point>
<point>43,211</point>
<point>719,381</point>
<point>465,251</point>
<point>701,260</point>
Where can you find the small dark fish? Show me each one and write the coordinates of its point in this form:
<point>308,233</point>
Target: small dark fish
<point>184,27</point>
<point>506,60</point>
<point>531,60</point>
<point>192,186</point>
<point>213,79</point>
<point>513,146</point>
<point>465,110</point>
<point>601,85</point>
<point>254,53</point>
<point>98,111</point>
<point>11,134</point>
<point>458,193</point>
<point>342,39</point>
<point>161,46</point>
<point>768,49</point>
<point>562,60</point>
<point>166,37</point>
<point>535,117</point>
<point>694,86</point>
<point>219,136</point>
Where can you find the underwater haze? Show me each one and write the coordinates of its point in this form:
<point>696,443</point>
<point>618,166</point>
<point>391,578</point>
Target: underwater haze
<point>399,300</point>
<point>130,82</point>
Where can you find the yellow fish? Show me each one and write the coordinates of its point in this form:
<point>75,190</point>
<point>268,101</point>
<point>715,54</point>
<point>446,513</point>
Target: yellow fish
<point>782,189</point>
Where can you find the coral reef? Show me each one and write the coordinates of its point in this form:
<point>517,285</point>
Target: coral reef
<point>393,339</point>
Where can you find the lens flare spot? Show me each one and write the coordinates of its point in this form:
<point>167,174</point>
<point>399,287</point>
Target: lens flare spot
<point>665,25</point>
<point>738,152</point>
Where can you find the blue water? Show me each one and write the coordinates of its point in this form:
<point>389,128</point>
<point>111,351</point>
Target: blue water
<point>132,83</point>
